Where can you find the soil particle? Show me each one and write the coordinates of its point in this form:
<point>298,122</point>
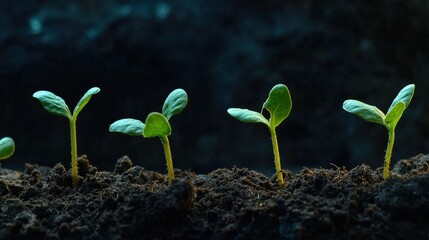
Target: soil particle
<point>237,203</point>
<point>123,164</point>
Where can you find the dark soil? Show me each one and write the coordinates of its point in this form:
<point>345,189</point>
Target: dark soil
<point>134,203</point>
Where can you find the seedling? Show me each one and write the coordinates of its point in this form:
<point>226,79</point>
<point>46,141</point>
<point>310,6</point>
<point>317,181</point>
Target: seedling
<point>56,105</point>
<point>157,125</point>
<point>7,147</point>
<point>279,105</point>
<point>373,114</point>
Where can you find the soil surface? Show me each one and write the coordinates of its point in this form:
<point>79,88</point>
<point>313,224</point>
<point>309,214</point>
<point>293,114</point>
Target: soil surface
<point>134,203</point>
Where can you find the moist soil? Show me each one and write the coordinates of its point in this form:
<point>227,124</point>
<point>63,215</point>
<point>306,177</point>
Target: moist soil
<point>237,203</point>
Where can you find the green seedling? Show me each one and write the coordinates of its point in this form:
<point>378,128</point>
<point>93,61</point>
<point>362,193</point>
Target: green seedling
<point>7,147</point>
<point>157,125</point>
<point>279,105</point>
<point>390,120</point>
<point>57,106</point>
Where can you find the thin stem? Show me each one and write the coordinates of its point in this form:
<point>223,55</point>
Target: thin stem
<point>388,153</point>
<point>277,156</point>
<point>73,152</point>
<point>167,151</point>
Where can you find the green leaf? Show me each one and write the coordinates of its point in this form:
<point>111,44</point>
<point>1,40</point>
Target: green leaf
<point>249,116</point>
<point>367,112</point>
<point>156,126</point>
<point>393,116</point>
<point>84,100</point>
<point>174,103</point>
<point>405,96</point>
<point>7,147</point>
<point>53,103</point>
<point>279,104</point>
<point>129,126</point>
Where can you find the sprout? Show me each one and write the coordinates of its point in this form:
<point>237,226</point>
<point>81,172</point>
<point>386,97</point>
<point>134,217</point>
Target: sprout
<point>157,125</point>
<point>373,114</point>
<point>279,105</point>
<point>57,106</point>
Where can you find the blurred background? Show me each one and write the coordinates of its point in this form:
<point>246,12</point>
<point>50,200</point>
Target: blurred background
<point>224,54</point>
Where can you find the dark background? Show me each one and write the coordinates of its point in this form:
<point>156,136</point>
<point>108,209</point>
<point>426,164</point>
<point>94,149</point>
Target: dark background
<point>224,54</point>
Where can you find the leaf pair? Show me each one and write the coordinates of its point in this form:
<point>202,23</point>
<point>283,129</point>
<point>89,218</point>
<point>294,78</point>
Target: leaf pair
<point>56,105</point>
<point>157,124</point>
<point>373,114</point>
<point>278,104</point>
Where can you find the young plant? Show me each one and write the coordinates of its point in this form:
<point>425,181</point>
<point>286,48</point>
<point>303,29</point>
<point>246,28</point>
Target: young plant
<point>7,147</point>
<point>157,125</point>
<point>279,105</point>
<point>57,106</point>
<point>373,114</point>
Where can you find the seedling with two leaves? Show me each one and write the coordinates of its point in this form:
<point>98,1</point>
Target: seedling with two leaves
<point>156,125</point>
<point>279,105</point>
<point>57,106</point>
<point>390,120</point>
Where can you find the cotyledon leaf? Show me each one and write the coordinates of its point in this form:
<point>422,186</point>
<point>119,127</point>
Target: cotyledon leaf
<point>84,100</point>
<point>365,111</point>
<point>249,116</point>
<point>405,96</point>
<point>53,103</point>
<point>279,104</point>
<point>7,147</point>
<point>174,103</point>
<point>157,125</point>
<point>395,114</point>
<point>129,126</point>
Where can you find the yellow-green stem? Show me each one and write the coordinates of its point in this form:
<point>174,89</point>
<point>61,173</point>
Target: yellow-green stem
<point>388,153</point>
<point>277,156</point>
<point>167,151</point>
<point>73,152</point>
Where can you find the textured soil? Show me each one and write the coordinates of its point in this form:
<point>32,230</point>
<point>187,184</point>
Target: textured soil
<point>134,203</point>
